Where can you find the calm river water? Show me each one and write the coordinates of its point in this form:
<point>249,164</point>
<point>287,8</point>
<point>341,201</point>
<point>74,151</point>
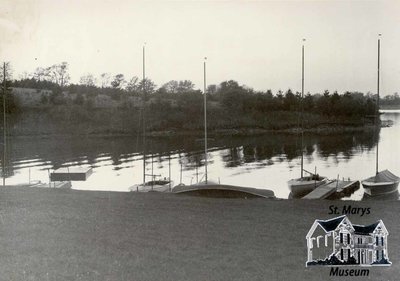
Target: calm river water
<point>267,161</point>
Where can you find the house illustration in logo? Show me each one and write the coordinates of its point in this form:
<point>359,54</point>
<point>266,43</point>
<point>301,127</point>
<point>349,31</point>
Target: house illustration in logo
<point>339,242</point>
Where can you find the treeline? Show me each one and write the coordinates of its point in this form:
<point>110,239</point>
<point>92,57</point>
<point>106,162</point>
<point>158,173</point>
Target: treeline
<point>228,95</point>
<point>231,105</point>
<point>391,100</point>
<point>178,105</point>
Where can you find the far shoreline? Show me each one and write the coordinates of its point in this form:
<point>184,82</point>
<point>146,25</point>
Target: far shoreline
<point>240,132</point>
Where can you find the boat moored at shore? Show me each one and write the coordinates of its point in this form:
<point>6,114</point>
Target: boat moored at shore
<point>163,185</point>
<point>383,182</point>
<point>301,186</point>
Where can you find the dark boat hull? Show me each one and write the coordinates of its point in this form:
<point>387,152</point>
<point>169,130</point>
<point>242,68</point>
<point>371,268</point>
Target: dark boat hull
<point>374,189</point>
<point>382,183</point>
<point>222,191</point>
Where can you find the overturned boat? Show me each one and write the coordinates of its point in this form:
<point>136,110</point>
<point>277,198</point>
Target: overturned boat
<point>216,190</point>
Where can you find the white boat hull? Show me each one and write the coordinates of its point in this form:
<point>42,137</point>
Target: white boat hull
<point>156,186</point>
<point>302,186</point>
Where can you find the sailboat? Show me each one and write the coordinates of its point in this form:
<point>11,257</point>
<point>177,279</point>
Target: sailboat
<point>206,182</point>
<point>305,184</point>
<point>209,188</point>
<point>383,182</point>
<point>156,183</point>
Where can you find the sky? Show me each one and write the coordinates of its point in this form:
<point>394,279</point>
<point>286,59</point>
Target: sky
<point>257,43</point>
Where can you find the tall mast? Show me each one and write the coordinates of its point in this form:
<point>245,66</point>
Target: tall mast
<point>377,102</point>
<point>205,121</point>
<point>4,124</point>
<point>302,97</point>
<point>144,114</point>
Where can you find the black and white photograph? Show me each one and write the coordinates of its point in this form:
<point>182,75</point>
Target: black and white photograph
<point>199,140</point>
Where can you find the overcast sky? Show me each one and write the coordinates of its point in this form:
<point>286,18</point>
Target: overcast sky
<point>257,43</point>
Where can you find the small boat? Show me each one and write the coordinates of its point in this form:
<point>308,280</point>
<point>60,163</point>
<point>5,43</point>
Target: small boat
<point>209,188</point>
<point>383,182</point>
<point>301,186</point>
<point>217,190</point>
<point>159,185</point>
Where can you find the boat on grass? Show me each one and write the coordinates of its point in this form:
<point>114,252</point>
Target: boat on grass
<point>217,190</point>
<point>209,188</point>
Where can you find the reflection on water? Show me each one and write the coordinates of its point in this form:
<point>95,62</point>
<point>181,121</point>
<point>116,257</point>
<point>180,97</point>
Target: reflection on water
<point>266,161</point>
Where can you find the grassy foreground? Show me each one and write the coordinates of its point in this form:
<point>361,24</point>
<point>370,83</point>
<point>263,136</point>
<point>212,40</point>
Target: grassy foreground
<point>79,235</point>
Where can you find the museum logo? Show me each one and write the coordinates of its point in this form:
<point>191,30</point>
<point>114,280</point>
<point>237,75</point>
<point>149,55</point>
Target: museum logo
<point>337,242</point>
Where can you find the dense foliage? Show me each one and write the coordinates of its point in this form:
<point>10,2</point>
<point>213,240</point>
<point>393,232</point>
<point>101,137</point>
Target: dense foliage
<point>229,96</point>
<point>177,105</point>
<point>391,100</point>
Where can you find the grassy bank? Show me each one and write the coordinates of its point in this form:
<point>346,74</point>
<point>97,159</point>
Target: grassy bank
<point>78,235</point>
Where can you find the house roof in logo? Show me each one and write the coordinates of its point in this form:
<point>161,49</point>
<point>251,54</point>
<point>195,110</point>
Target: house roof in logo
<point>361,229</point>
<point>332,224</point>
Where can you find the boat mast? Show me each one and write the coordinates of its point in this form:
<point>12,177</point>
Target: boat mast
<point>302,97</point>
<point>377,103</point>
<point>4,124</point>
<point>205,121</point>
<point>143,116</point>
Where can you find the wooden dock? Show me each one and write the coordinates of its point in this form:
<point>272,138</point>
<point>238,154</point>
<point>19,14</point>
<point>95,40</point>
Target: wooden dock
<point>71,174</point>
<point>331,188</point>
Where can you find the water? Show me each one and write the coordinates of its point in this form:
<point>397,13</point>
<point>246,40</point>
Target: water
<point>267,161</point>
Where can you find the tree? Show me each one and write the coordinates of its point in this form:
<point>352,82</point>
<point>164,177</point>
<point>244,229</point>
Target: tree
<point>105,79</point>
<point>185,86</point>
<point>175,87</point>
<point>39,74</point>
<point>133,85</point>
<point>229,86</point>
<point>62,70</point>
<point>11,105</point>
<point>171,86</point>
<point>211,89</point>
<point>7,70</point>
<point>58,73</point>
<point>118,81</point>
<point>290,101</point>
<point>88,80</point>
<point>25,76</point>
<point>149,86</point>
